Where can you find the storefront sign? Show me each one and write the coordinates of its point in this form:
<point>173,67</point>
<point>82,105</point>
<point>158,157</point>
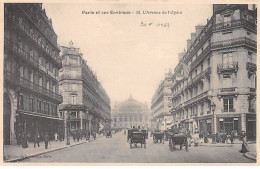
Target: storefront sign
<point>221,119</point>
<point>235,118</point>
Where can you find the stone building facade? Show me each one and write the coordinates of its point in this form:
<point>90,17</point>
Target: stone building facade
<point>85,102</point>
<point>130,113</point>
<point>160,108</point>
<point>31,69</point>
<point>219,68</point>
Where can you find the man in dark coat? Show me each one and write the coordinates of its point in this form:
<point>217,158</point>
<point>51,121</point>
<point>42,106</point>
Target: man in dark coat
<point>37,140</point>
<point>232,137</point>
<point>46,140</point>
<point>24,140</point>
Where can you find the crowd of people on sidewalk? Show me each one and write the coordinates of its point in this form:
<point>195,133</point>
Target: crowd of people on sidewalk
<point>47,137</point>
<point>198,137</point>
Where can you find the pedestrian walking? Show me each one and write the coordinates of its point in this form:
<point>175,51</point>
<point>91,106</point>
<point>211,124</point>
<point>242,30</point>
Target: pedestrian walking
<point>24,140</point>
<point>245,147</point>
<point>46,140</point>
<point>37,140</point>
<point>232,137</point>
<point>56,136</point>
<point>73,135</point>
<point>196,139</point>
<point>78,135</point>
<point>94,135</point>
<point>224,137</point>
<point>189,138</point>
<point>19,139</point>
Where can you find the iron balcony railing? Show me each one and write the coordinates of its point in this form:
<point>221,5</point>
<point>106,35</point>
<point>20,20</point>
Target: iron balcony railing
<point>234,42</point>
<point>29,33</point>
<point>17,79</point>
<point>230,89</point>
<point>68,76</point>
<point>14,48</point>
<point>235,23</point>
<point>228,110</point>
<point>230,66</point>
<point>251,66</point>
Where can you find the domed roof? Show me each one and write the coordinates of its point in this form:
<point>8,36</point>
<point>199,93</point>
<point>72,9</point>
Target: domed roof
<point>130,105</point>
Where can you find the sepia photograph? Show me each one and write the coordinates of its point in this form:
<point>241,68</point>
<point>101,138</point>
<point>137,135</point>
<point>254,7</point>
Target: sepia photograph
<point>115,82</point>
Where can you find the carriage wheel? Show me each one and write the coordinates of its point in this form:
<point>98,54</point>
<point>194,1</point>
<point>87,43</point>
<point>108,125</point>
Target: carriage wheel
<point>180,147</point>
<point>131,146</point>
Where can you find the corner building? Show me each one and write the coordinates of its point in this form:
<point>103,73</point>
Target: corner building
<point>31,67</point>
<point>85,102</point>
<point>160,107</point>
<point>219,67</point>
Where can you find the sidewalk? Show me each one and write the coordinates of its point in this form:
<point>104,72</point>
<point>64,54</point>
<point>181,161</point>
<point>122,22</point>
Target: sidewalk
<point>14,153</point>
<point>252,152</point>
<point>237,145</point>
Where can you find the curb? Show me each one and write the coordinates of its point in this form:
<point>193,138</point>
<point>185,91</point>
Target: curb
<point>36,154</point>
<point>247,155</point>
<point>215,145</point>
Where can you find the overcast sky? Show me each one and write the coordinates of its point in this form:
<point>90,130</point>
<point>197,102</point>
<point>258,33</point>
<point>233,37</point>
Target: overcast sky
<point>128,58</point>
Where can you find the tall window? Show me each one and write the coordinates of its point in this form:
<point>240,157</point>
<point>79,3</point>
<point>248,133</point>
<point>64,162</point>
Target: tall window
<point>40,60</point>
<point>31,75</point>
<point>74,61</point>
<point>250,57</point>
<point>202,109</point>
<point>20,101</point>
<point>39,106</point>
<point>227,18</point>
<point>48,84</point>
<point>227,58</point>
<point>73,99</point>
<point>40,81</point>
<point>48,108</point>
<point>54,88</point>
<point>73,86</point>
<point>21,71</point>
<point>31,104</point>
<point>228,104</point>
<point>44,107</point>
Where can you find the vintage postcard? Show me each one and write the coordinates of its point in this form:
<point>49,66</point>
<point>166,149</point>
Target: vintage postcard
<point>129,83</point>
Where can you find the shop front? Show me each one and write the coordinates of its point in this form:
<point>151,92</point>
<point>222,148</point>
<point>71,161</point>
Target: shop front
<point>205,126</point>
<point>35,124</point>
<point>251,126</point>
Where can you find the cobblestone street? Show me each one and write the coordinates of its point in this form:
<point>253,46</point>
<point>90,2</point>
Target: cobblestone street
<point>117,150</point>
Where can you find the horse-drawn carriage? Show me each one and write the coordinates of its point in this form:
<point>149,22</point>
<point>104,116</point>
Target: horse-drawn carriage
<point>109,134</point>
<point>158,136</point>
<point>177,139</point>
<point>137,137</point>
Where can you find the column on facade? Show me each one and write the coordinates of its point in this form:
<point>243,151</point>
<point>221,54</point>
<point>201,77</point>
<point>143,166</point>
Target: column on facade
<point>81,119</point>
<point>65,122</point>
<point>243,122</point>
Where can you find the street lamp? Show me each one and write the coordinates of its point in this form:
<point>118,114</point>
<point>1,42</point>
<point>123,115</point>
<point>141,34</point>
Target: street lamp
<point>213,107</point>
<point>68,129</point>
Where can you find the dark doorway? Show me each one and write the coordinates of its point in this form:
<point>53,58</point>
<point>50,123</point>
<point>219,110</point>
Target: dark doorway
<point>7,116</point>
<point>251,129</point>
